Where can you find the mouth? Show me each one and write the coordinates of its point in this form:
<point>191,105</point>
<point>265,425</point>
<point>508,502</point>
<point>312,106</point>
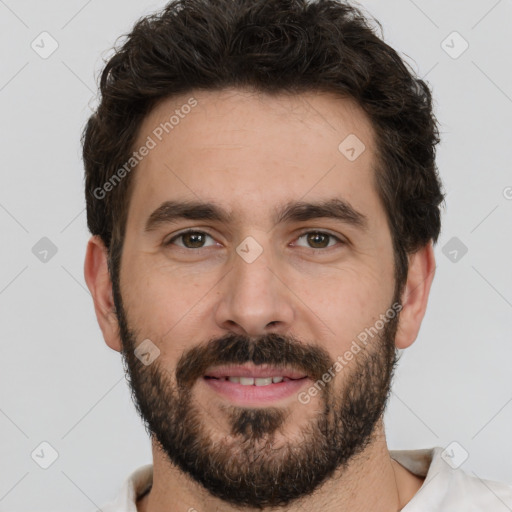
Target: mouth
<point>253,381</point>
<point>254,385</point>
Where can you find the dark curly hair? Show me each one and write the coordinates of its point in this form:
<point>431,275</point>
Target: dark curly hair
<point>270,46</point>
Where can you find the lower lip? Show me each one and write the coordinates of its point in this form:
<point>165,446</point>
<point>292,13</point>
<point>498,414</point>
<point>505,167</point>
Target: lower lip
<point>255,395</point>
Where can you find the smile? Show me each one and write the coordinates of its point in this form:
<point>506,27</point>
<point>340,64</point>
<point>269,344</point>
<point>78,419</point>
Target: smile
<point>253,385</point>
<point>254,381</point>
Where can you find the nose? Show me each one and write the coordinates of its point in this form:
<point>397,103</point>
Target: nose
<point>254,299</point>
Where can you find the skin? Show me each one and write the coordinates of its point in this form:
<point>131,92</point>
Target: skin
<point>249,153</point>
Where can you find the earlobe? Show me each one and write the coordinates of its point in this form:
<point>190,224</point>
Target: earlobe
<point>415,296</point>
<point>99,283</point>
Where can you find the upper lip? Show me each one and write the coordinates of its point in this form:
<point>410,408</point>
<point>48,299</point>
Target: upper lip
<point>251,370</point>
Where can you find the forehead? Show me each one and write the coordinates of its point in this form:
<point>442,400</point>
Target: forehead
<point>251,151</point>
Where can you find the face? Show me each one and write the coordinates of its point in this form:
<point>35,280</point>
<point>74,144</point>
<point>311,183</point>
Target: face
<point>258,266</point>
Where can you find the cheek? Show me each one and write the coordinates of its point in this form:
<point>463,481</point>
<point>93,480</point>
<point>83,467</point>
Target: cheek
<point>155,299</point>
<point>340,306</point>
<point>346,295</point>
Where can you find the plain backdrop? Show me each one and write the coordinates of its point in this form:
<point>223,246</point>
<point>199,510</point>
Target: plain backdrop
<point>60,384</point>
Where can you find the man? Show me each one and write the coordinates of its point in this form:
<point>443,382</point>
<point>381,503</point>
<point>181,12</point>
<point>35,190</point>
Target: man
<point>263,197</point>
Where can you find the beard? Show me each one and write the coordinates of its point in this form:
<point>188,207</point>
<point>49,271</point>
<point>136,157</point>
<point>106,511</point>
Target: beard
<point>250,466</point>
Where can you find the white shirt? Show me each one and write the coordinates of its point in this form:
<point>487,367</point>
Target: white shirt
<point>444,489</point>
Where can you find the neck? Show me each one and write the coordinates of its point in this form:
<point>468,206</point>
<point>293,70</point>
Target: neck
<point>371,481</point>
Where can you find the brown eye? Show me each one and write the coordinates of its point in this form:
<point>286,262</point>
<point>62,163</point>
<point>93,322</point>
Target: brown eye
<point>318,239</point>
<point>190,239</point>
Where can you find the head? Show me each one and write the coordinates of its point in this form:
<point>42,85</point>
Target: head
<point>298,150</point>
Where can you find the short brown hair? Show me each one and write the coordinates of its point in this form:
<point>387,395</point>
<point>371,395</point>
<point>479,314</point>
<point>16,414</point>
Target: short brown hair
<point>270,46</point>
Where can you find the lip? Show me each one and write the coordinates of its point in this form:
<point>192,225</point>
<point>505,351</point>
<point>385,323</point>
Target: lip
<point>251,370</point>
<point>253,395</point>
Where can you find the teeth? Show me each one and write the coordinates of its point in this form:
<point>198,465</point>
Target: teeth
<point>263,381</point>
<point>259,381</point>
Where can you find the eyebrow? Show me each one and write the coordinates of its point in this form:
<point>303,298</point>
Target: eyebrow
<point>298,211</point>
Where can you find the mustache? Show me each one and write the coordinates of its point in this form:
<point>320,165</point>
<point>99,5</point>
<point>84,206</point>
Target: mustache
<point>272,349</point>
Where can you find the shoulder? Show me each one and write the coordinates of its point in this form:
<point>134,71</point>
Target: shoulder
<point>478,493</point>
<point>134,486</point>
<point>448,488</point>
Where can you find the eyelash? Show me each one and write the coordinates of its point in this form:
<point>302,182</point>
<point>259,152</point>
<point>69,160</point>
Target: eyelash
<point>195,231</point>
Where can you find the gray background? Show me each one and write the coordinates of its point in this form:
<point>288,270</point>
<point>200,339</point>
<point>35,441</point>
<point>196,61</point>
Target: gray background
<point>61,384</point>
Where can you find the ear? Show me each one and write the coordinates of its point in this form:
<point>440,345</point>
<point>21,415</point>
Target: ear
<point>99,283</point>
<point>415,295</point>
